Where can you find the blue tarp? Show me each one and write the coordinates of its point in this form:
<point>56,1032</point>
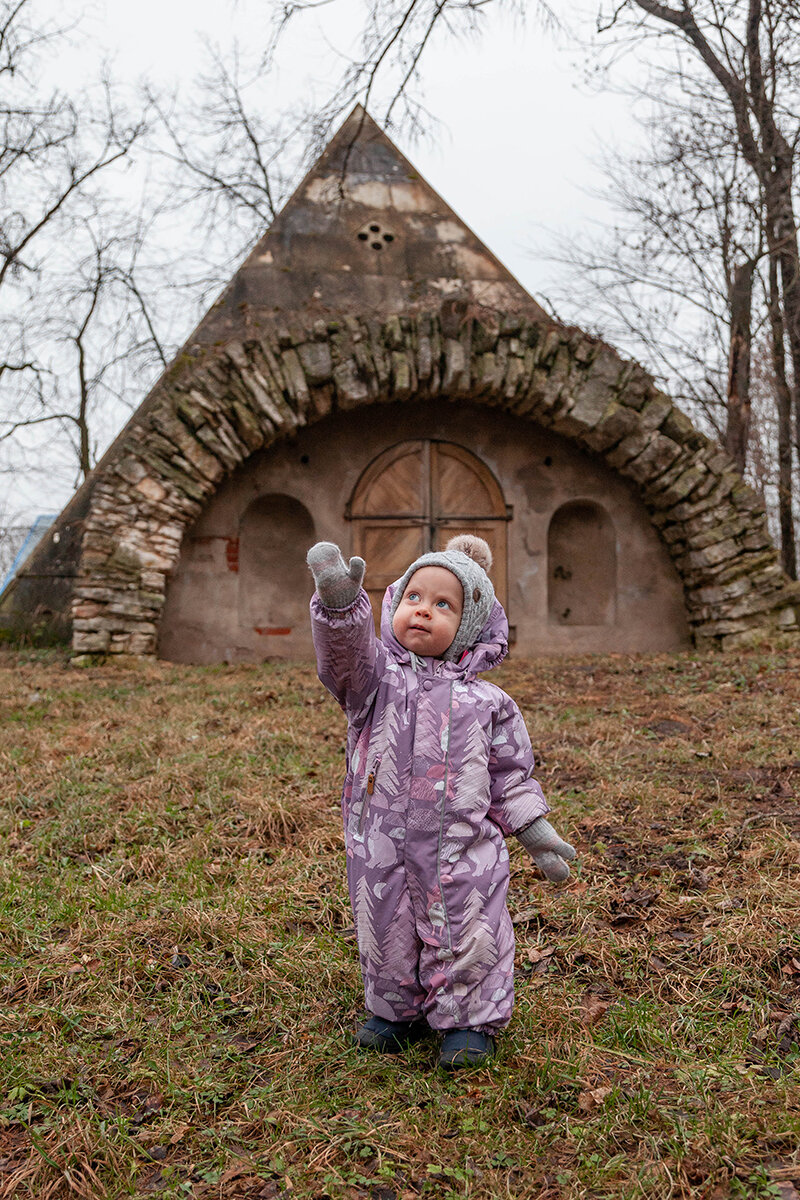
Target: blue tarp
<point>34,535</point>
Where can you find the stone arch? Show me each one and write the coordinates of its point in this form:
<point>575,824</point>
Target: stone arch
<point>581,565</point>
<point>219,404</point>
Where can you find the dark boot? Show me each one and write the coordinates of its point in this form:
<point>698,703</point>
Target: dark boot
<point>389,1037</point>
<point>465,1048</point>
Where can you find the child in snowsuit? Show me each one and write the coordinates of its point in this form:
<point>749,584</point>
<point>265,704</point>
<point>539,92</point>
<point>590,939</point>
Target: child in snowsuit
<point>439,768</point>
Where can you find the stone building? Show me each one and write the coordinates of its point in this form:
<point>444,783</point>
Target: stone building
<point>372,375</point>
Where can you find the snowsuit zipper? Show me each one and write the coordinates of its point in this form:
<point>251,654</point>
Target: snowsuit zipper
<point>441,820</point>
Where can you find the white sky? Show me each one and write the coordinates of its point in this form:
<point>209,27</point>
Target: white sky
<point>518,134</point>
<point>514,152</point>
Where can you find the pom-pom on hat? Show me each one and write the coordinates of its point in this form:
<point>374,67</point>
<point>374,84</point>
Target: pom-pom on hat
<point>469,558</point>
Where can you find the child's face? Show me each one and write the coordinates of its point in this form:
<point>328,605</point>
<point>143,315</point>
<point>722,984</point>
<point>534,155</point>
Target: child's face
<point>429,614</point>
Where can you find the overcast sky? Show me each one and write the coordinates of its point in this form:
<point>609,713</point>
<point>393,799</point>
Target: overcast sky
<point>516,144</point>
<point>519,130</point>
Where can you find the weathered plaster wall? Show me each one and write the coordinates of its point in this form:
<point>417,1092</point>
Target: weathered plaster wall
<point>363,233</point>
<point>209,610</point>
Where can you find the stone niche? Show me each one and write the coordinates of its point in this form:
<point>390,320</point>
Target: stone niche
<point>582,565</point>
<point>577,559</point>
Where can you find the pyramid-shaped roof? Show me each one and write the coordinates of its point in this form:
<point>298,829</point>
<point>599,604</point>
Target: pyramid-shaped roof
<point>363,232</point>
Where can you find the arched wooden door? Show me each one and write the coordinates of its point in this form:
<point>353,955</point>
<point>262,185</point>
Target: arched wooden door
<point>416,496</point>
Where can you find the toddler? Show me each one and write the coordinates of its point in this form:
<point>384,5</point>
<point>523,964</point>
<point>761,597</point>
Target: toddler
<point>439,768</point>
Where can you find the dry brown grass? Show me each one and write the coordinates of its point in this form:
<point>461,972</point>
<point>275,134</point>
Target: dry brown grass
<point>179,972</point>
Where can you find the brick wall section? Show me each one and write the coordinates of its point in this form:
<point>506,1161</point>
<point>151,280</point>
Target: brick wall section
<point>219,405</point>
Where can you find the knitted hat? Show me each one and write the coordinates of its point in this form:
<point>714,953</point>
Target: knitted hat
<point>469,558</point>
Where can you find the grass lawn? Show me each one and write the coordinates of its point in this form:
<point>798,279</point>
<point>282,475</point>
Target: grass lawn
<point>178,973</point>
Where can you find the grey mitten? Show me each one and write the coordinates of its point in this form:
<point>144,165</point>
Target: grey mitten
<point>550,852</point>
<point>337,584</point>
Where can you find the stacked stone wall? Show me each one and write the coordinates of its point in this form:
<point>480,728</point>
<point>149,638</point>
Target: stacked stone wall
<point>219,405</point>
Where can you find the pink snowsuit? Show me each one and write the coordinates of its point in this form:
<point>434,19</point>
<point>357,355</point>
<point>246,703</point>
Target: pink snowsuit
<point>439,768</point>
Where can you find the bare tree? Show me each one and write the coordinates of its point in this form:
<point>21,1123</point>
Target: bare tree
<point>738,404</point>
<point>385,72</point>
<point>665,278</point>
<point>97,340</point>
<point>783,406</point>
<point>750,52</point>
<point>68,258</point>
<point>228,167</point>
<point>51,146</point>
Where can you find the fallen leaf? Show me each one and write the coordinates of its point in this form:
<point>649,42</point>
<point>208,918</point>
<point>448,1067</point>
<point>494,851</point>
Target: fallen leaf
<point>698,880</point>
<point>592,1097</point>
<point>536,955</point>
<point>783,789</point>
<point>525,915</point>
<point>530,1115</point>
<point>624,918</point>
<point>593,1008</point>
<point>236,1172</point>
<point>743,1004</point>
<point>245,1042</point>
<point>270,1190</point>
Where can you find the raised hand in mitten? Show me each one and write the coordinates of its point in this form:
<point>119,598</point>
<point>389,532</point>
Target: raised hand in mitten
<point>337,584</point>
<point>551,853</point>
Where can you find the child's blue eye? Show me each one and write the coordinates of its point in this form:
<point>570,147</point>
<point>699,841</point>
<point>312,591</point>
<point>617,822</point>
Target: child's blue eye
<point>412,596</point>
<point>442,604</point>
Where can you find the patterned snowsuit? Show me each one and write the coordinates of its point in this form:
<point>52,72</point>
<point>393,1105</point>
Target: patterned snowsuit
<point>439,767</point>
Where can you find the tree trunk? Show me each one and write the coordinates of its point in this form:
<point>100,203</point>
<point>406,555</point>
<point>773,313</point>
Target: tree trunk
<point>783,403</point>
<point>782,232</point>
<point>751,93</point>
<point>737,430</point>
